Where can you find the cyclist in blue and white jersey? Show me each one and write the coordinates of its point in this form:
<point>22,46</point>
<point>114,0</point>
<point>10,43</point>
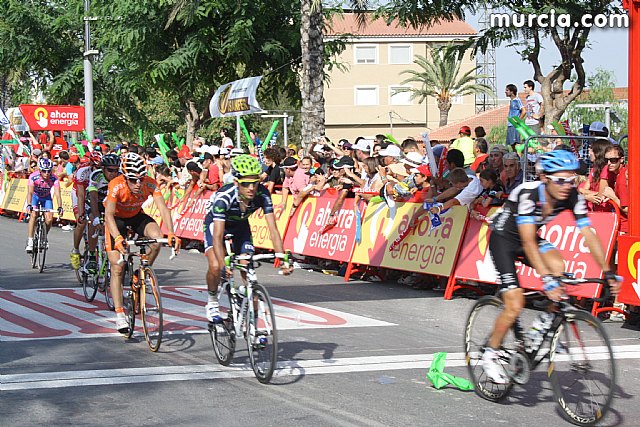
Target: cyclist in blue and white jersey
<point>514,238</point>
<point>228,213</point>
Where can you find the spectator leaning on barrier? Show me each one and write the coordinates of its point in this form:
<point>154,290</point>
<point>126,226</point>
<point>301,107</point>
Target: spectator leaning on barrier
<point>512,175</point>
<point>599,178</point>
<point>465,144</point>
<point>480,149</point>
<point>290,168</point>
<point>272,158</point>
<point>492,190</point>
<point>614,155</point>
<point>362,148</point>
<point>496,154</point>
<point>468,187</point>
<point>301,177</point>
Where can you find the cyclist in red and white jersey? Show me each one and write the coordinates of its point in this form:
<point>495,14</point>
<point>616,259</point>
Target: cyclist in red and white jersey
<point>81,179</point>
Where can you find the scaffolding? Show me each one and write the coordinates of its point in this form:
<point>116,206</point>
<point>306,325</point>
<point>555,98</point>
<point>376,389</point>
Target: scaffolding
<point>486,66</point>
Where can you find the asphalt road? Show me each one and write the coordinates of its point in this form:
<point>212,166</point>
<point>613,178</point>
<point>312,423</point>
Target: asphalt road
<point>351,354</point>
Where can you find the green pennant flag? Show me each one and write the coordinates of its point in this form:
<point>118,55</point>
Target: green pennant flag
<point>164,148</point>
<point>245,132</point>
<point>140,137</point>
<point>267,140</point>
<point>179,142</point>
<point>390,138</point>
<point>440,379</point>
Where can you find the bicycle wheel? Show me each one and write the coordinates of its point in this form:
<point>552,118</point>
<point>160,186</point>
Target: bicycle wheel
<point>42,245</point>
<point>89,281</point>
<point>36,245</point>
<point>129,304</point>
<point>151,309</point>
<point>478,330</point>
<point>107,287</point>
<point>582,368</point>
<point>262,335</point>
<point>223,334</point>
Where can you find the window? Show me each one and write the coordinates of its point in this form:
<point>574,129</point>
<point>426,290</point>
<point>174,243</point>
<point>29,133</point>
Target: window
<point>400,54</point>
<point>367,95</point>
<point>399,97</point>
<point>366,54</point>
<point>457,100</point>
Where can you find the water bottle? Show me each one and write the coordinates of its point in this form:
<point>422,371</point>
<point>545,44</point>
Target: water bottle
<point>538,328</point>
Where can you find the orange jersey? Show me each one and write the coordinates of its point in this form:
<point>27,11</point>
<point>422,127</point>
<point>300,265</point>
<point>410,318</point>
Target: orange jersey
<point>129,204</point>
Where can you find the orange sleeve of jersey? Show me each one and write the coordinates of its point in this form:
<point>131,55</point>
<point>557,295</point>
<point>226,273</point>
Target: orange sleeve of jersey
<point>151,187</point>
<point>114,189</point>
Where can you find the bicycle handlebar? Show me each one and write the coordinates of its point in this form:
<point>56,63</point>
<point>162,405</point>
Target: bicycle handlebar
<point>263,257</point>
<point>145,242</point>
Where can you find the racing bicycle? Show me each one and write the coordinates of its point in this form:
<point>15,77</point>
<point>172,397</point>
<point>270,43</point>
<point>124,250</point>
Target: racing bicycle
<point>40,242</point>
<point>581,363</point>
<point>100,279</point>
<point>250,314</point>
<point>143,296</point>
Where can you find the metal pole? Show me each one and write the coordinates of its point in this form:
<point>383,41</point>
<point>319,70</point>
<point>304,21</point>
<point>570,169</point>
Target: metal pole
<point>634,118</point>
<point>391,122</point>
<point>286,137</point>
<point>88,75</point>
<point>607,116</point>
<point>238,131</point>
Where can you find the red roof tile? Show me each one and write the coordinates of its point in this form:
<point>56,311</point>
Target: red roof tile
<point>487,119</point>
<point>347,24</point>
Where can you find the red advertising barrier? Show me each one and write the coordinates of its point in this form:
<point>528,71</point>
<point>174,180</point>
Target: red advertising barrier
<point>188,223</point>
<point>304,233</point>
<point>53,117</point>
<point>628,268</point>
<point>475,261</point>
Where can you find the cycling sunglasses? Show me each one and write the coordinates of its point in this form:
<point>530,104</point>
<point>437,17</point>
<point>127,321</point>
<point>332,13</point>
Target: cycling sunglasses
<point>135,181</point>
<point>560,180</point>
<point>246,183</point>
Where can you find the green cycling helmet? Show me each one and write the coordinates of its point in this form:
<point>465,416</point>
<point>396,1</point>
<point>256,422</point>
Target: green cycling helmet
<point>245,165</point>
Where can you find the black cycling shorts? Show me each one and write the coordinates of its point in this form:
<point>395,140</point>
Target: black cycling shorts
<point>505,252</point>
<point>137,224</point>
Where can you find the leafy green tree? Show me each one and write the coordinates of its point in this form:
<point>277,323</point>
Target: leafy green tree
<point>569,41</point>
<point>600,87</point>
<point>440,77</point>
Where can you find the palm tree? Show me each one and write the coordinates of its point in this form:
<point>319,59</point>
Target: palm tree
<point>312,75</point>
<point>440,78</point>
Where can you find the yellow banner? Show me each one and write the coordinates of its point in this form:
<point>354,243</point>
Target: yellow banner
<point>16,195</point>
<point>66,203</point>
<point>422,250</point>
<point>260,229</point>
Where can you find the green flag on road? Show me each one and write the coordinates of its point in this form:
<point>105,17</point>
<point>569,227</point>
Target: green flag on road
<point>440,379</point>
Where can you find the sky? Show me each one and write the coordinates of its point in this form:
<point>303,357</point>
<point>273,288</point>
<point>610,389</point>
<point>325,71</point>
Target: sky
<point>609,50</point>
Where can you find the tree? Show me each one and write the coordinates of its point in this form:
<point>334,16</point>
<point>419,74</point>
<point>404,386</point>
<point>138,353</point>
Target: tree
<point>600,87</point>
<point>569,41</point>
<point>440,78</point>
<point>313,64</point>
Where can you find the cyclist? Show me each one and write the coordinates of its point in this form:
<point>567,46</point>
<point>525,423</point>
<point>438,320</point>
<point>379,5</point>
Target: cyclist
<point>228,212</point>
<point>96,195</point>
<point>81,179</point>
<point>123,209</point>
<point>40,184</point>
<point>514,237</point>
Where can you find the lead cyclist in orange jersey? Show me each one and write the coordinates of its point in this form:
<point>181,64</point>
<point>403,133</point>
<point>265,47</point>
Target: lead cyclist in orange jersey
<point>123,209</point>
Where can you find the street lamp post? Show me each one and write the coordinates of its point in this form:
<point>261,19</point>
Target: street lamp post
<point>88,73</point>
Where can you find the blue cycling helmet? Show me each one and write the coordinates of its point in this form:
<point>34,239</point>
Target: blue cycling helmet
<point>558,161</point>
<point>45,164</point>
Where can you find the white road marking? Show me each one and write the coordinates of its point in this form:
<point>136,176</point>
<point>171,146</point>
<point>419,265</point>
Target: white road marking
<point>64,313</point>
<point>49,380</point>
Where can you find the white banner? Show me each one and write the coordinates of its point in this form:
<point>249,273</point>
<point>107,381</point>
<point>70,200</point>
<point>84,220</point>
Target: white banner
<point>236,98</point>
<point>4,120</point>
